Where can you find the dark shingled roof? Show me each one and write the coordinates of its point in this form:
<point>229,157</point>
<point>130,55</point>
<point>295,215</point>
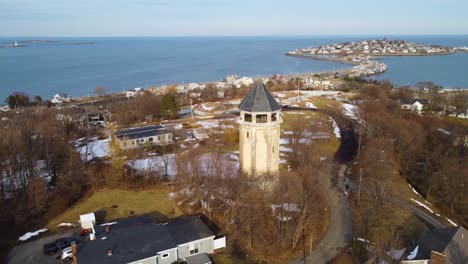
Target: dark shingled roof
<point>451,241</point>
<point>412,101</point>
<point>141,132</point>
<point>186,229</point>
<point>130,239</point>
<point>137,238</point>
<point>259,99</point>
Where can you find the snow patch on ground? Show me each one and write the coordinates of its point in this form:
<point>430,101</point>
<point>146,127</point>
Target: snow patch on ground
<point>288,207</point>
<point>156,164</point>
<point>423,205</point>
<point>288,132</point>
<point>28,235</point>
<point>109,224</point>
<point>208,124</point>
<point>413,253</point>
<point>285,149</point>
<point>451,222</point>
<point>350,110</point>
<point>95,148</point>
<point>283,141</point>
<point>336,129</point>
<point>65,225</point>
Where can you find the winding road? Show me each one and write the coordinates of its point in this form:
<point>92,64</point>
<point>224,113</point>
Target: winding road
<point>339,234</point>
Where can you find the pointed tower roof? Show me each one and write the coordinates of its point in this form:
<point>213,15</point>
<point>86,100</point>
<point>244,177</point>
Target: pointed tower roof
<point>259,99</point>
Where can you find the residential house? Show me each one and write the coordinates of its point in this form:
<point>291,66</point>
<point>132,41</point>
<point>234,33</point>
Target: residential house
<point>200,133</point>
<point>415,105</point>
<point>141,240</point>
<point>444,245</point>
<point>143,136</point>
<point>132,93</point>
<point>60,98</point>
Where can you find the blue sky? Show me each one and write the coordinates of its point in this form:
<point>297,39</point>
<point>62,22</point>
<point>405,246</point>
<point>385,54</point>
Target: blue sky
<point>231,17</point>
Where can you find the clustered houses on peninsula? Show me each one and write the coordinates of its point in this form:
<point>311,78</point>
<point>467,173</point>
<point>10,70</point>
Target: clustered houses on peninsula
<point>379,47</point>
<point>361,53</point>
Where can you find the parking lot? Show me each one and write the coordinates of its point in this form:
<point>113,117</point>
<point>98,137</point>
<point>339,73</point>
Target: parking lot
<point>31,252</point>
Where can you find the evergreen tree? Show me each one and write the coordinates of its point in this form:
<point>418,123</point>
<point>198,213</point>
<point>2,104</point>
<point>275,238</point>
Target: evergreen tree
<point>169,108</point>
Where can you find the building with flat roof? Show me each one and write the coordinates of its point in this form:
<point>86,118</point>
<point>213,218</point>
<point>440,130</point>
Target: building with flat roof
<point>143,136</point>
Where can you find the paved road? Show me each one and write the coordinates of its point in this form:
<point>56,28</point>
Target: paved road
<point>339,233</point>
<point>31,252</point>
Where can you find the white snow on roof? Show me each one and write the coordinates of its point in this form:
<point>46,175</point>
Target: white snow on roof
<point>28,235</point>
<point>451,222</point>
<point>413,253</point>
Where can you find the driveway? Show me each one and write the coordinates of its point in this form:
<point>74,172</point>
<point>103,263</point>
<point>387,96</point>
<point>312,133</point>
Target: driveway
<point>31,252</point>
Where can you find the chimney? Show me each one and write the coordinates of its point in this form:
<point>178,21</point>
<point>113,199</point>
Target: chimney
<point>74,252</point>
<point>109,252</point>
<point>107,229</point>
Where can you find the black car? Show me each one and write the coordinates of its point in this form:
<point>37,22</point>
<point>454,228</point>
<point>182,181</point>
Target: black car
<point>57,245</point>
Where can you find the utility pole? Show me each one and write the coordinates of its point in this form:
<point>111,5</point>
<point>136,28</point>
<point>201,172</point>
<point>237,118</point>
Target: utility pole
<point>298,91</point>
<point>191,108</point>
<point>359,188</point>
<point>310,248</point>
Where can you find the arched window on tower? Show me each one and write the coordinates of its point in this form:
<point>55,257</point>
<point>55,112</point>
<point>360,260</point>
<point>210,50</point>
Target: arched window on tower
<point>273,117</point>
<point>247,134</point>
<point>247,117</point>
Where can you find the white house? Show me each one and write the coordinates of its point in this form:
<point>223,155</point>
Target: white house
<point>415,105</point>
<point>60,98</point>
<point>132,93</point>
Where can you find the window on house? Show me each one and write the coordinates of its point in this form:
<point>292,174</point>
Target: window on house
<point>262,118</point>
<point>194,251</point>
<point>166,255</point>
<point>273,117</point>
<point>159,137</point>
<point>247,117</point>
<point>133,142</point>
<point>150,139</point>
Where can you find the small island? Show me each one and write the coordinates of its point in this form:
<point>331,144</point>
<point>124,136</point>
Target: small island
<point>361,53</point>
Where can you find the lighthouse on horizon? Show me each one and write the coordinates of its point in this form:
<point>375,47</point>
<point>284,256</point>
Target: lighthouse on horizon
<point>259,132</point>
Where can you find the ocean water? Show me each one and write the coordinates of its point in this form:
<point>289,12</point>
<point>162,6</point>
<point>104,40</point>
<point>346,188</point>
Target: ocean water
<point>122,63</point>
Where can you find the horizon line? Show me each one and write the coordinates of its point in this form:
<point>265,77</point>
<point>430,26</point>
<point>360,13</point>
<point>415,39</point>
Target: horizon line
<point>208,36</point>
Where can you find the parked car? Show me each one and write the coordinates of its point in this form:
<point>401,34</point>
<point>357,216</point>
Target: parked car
<point>67,253</point>
<point>58,245</point>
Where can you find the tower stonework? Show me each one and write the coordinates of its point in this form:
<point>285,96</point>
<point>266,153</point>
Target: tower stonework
<point>259,132</point>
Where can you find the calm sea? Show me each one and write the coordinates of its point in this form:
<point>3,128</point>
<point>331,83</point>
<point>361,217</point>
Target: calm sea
<point>122,63</point>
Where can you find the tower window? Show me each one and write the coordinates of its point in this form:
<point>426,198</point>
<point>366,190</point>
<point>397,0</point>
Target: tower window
<point>248,118</point>
<point>247,134</point>
<point>273,117</point>
<point>262,118</point>
<point>273,149</point>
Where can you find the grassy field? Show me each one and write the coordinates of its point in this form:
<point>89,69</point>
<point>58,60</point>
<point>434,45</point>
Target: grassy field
<point>115,204</point>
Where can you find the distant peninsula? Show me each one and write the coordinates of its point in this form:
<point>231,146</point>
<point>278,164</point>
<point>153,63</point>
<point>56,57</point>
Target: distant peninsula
<point>377,47</point>
<point>361,53</point>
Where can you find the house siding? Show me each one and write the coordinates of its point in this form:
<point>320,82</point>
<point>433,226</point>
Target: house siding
<point>164,139</point>
<point>204,246</point>
<point>170,259</point>
<point>151,260</point>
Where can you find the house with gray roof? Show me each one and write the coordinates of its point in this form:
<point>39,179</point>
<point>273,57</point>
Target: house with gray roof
<point>443,245</point>
<point>143,136</point>
<point>141,240</point>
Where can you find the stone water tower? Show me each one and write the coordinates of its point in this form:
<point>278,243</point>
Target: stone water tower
<point>259,132</point>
